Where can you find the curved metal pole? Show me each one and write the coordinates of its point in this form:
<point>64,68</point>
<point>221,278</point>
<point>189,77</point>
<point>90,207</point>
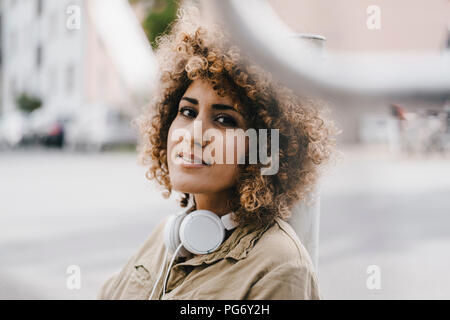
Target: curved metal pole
<point>258,31</point>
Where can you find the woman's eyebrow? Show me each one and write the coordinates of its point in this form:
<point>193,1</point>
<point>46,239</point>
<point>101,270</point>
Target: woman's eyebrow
<point>191,100</point>
<point>220,106</point>
<point>216,106</point>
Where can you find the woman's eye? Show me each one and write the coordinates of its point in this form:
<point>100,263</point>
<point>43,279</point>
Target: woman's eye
<point>227,121</point>
<point>187,112</point>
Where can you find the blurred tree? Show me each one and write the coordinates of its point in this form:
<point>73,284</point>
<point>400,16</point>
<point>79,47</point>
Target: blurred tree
<point>28,103</point>
<point>160,14</point>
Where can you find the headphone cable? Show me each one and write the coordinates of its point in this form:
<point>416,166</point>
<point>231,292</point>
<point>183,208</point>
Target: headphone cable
<point>160,274</point>
<point>170,265</point>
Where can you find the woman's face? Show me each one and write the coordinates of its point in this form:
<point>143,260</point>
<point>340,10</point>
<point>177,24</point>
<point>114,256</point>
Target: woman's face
<point>198,143</point>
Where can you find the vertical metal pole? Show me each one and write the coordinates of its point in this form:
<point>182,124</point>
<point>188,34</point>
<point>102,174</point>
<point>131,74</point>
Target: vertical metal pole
<point>305,221</point>
<point>305,218</point>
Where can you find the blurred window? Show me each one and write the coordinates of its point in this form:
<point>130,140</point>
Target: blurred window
<point>70,78</point>
<point>53,23</point>
<point>39,7</point>
<point>1,39</point>
<point>448,38</point>
<point>12,44</point>
<point>12,88</point>
<point>52,82</point>
<point>39,56</point>
<point>116,117</point>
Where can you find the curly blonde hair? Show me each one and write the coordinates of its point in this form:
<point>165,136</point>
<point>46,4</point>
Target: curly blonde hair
<point>193,51</point>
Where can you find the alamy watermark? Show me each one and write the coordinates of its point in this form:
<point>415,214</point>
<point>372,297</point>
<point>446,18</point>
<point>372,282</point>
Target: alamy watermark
<point>73,281</point>
<point>257,147</point>
<point>73,21</point>
<point>373,21</point>
<point>373,281</point>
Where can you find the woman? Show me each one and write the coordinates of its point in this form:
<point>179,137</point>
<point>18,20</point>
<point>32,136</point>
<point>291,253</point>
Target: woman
<point>207,86</point>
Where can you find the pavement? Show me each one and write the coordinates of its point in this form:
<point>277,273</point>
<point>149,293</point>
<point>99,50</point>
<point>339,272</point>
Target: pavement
<point>59,209</point>
<point>392,211</point>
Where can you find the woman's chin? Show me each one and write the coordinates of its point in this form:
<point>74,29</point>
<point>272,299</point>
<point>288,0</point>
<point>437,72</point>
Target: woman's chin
<point>192,187</point>
<point>198,181</point>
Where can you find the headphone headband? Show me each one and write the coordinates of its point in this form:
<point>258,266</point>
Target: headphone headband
<point>228,222</point>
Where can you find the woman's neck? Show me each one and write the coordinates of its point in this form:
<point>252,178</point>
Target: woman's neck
<point>216,202</point>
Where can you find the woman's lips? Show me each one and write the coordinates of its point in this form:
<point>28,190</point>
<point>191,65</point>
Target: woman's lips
<point>192,162</point>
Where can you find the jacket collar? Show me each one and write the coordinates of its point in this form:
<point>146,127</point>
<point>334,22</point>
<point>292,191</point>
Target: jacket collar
<point>236,246</point>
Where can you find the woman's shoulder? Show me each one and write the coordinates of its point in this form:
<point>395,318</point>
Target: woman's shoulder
<point>281,245</point>
<point>283,265</point>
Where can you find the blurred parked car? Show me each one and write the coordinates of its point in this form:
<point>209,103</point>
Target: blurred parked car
<point>47,126</point>
<point>97,127</point>
<point>13,128</point>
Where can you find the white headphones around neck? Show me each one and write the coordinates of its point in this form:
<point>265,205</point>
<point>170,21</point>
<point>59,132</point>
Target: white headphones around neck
<point>199,231</point>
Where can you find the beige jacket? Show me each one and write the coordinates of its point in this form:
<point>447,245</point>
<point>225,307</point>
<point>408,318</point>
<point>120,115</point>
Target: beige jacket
<point>250,264</point>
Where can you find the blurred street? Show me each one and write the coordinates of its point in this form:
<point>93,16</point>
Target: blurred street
<point>391,211</point>
<point>61,208</point>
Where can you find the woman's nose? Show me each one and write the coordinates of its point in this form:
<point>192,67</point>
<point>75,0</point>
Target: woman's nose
<point>194,135</point>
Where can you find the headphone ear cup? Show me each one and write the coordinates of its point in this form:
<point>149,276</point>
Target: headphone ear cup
<point>201,232</point>
<point>172,234</point>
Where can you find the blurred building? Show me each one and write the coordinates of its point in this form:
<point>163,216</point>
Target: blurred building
<point>409,26</point>
<point>1,53</point>
<point>73,53</point>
